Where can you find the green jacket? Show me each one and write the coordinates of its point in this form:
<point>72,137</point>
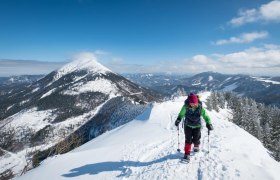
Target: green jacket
<point>204,114</point>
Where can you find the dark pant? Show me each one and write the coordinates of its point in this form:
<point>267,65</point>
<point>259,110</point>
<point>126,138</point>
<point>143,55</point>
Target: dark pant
<point>192,135</point>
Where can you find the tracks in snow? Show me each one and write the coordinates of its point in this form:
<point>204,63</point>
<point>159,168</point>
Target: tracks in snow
<point>159,160</point>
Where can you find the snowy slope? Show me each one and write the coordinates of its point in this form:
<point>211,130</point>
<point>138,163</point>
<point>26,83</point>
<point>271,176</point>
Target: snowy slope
<point>145,148</point>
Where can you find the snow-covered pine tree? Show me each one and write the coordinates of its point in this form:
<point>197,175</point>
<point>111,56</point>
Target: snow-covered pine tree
<point>215,101</point>
<point>236,111</point>
<point>178,93</point>
<point>265,123</point>
<point>208,103</point>
<point>245,115</point>
<point>221,100</point>
<point>254,119</point>
<point>275,132</point>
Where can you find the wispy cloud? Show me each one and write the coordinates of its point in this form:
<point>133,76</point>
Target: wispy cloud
<point>267,12</point>
<point>101,52</point>
<point>86,55</point>
<point>243,38</point>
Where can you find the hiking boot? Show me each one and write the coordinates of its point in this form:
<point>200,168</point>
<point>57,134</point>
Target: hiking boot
<point>187,157</point>
<point>196,149</point>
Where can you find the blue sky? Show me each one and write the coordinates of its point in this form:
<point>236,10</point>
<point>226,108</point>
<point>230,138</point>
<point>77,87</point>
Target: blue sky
<point>174,35</point>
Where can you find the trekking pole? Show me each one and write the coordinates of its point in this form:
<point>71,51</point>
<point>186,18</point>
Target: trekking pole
<point>208,143</point>
<point>208,151</point>
<point>178,150</point>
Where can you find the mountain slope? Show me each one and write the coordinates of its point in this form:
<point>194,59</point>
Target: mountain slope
<point>145,148</point>
<point>65,109</point>
<point>84,77</point>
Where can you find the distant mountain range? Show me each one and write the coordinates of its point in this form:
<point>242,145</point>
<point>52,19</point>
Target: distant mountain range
<point>14,82</point>
<point>262,89</point>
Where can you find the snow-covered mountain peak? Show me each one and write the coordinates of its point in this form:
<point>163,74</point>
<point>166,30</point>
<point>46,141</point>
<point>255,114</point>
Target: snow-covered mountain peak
<point>84,61</point>
<point>83,99</point>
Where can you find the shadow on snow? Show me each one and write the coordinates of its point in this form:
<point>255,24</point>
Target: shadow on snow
<point>122,166</point>
<point>145,115</point>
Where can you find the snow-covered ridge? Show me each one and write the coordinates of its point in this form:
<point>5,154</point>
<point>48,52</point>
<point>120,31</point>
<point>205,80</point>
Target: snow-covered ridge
<point>145,148</point>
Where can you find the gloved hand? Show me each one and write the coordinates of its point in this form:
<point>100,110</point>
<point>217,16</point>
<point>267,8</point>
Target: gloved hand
<point>177,122</point>
<point>209,127</point>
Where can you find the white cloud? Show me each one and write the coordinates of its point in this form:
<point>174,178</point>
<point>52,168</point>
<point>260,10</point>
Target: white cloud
<point>271,46</point>
<point>245,16</point>
<point>271,11</point>
<point>264,60</point>
<point>85,56</point>
<point>266,12</point>
<point>200,59</point>
<point>243,38</point>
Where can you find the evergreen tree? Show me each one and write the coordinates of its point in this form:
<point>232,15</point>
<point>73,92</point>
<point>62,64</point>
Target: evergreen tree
<point>221,100</point>
<point>245,115</point>
<point>265,120</point>
<point>208,103</point>
<point>215,101</point>
<point>236,110</point>
<point>275,133</point>
<point>254,119</point>
<point>179,92</point>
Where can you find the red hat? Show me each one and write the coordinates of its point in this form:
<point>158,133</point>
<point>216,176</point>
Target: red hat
<point>193,99</point>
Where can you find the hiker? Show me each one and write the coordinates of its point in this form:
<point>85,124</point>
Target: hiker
<point>192,111</point>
